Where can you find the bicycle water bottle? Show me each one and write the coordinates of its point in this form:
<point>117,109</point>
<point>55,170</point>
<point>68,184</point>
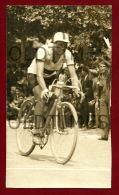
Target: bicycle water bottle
<point>59,84</point>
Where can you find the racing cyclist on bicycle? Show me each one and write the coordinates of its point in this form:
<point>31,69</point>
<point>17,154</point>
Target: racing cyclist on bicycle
<point>42,72</point>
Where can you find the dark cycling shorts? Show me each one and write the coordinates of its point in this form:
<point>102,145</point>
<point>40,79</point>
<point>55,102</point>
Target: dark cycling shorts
<point>32,80</point>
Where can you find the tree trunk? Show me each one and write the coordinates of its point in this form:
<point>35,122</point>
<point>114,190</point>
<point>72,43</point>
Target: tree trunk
<point>23,45</point>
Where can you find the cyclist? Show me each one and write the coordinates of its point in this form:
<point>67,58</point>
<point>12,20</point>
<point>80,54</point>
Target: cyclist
<point>43,70</point>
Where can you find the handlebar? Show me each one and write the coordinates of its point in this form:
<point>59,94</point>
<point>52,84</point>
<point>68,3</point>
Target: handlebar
<point>60,85</point>
<point>63,87</point>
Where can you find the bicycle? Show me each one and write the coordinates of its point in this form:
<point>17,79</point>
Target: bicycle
<point>62,131</point>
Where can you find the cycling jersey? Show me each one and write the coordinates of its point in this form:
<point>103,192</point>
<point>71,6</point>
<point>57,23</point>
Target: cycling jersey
<point>45,54</point>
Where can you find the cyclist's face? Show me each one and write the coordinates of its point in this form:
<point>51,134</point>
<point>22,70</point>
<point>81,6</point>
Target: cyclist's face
<point>60,47</point>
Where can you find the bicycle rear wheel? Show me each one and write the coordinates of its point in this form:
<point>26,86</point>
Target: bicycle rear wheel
<point>24,131</point>
<point>64,133</point>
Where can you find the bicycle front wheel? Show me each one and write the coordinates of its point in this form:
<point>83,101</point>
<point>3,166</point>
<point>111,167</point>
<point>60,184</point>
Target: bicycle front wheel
<point>24,131</point>
<point>64,132</point>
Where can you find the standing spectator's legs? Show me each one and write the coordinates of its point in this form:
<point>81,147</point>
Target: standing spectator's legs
<point>92,113</point>
<point>85,113</point>
<point>104,119</point>
<point>97,123</point>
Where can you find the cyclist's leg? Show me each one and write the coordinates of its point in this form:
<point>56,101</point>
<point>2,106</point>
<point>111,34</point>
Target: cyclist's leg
<point>40,105</point>
<point>39,109</point>
<point>35,88</point>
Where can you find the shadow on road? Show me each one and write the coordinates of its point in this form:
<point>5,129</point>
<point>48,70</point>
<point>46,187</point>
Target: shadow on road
<point>38,157</point>
<point>41,157</point>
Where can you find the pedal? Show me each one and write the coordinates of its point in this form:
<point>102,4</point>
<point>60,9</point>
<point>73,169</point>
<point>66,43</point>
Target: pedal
<point>44,142</point>
<point>41,146</point>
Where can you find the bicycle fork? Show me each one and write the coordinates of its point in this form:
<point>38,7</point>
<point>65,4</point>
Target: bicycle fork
<point>49,117</point>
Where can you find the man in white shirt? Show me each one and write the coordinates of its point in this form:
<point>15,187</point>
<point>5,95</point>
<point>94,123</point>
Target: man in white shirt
<point>49,59</point>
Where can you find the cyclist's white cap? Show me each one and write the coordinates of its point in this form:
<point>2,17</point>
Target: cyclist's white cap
<point>60,36</point>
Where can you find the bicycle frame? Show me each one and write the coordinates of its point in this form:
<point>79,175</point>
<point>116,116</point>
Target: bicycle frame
<point>58,99</point>
<point>49,117</point>
<point>56,108</point>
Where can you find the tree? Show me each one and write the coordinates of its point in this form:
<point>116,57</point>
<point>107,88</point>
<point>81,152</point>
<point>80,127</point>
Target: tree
<point>90,22</point>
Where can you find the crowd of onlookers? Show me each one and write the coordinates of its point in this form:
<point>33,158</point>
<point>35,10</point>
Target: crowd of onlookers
<point>18,90</point>
<point>89,78</point>
<point>94,110</point>
<point>87,109</point>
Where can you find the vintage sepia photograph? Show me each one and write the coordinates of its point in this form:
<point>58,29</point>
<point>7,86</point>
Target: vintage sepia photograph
<point>58,96</point>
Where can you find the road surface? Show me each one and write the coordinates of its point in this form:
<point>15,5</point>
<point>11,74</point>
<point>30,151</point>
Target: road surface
<point>90,166</point>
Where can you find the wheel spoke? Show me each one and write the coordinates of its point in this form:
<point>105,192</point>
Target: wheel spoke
<point>64,137</point>
<point>24,134</point>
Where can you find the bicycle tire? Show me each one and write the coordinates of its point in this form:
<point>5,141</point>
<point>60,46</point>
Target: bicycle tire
<point>24,136</point>
<point>56,136</point>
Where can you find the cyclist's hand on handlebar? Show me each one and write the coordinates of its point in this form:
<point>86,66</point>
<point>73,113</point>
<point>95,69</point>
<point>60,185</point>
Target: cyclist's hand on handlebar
<point>78,92</point>
<point>45,94</point>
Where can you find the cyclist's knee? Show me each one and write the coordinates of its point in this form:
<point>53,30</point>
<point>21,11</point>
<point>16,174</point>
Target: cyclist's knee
<point>37,92</point>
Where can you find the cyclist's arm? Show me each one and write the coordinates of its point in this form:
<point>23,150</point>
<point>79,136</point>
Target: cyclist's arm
<point>40,70</point>
<point>73,76</point>
<point>70,65</point>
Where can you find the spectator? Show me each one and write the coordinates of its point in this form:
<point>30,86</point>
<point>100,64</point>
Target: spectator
<point>21,98</point>
<point>13,75</point>
<point>24,72</point>
<point>19,73</point>
<point>15,91</point>
<point>80,53</point>
<point>18,91</point>
<point>23,84</point>
<point>79,77</point>
<point>22,80</point>
<point>9,80</point>
<point>14,107</point>
<point>101,86</point>
<point>8,108</point>
<point>88,96</point>
<point>13,94</point>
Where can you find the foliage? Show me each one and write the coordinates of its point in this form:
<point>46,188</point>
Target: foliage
<point>85,24</point>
